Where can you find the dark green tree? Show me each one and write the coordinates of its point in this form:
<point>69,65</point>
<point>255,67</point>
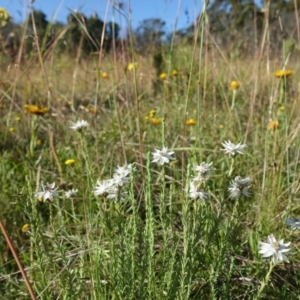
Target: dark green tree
<point>232,23</point>
<point>93,34</point>
<point>112,32</point>
<point>39,20</point>
<point>90,34</point>
<point>149,34</point>
<point>75,34</point>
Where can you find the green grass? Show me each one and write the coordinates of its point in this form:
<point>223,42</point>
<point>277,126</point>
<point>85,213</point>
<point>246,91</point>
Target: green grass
<point>157,243</point>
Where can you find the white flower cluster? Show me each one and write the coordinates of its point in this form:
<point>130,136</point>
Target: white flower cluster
<point>203,174</point>
<point>112,188</point>
<point>240,186</point>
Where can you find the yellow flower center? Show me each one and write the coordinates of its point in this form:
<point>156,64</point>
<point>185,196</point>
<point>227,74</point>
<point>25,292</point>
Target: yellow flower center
<point>276,245</point>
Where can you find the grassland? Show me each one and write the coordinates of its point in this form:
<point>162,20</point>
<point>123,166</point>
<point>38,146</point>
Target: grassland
<point>152,240</point>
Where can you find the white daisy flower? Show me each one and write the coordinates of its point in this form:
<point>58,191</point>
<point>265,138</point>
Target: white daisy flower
<point>79,125</point>
<point>109,189</point>
<point>162,156</point>
<point>121,175</point>
<point>71,193</point>
<point>240,186</point>
<point>195,193</point>
<point>293,222</point>
<point>104,187</point>
<point>115,194</point>
<point>49,192</point>
<point>275,249</point>
<point>125,170</point>
<point>204,171</point>
<point>233,149</point>
<point>120,179</point>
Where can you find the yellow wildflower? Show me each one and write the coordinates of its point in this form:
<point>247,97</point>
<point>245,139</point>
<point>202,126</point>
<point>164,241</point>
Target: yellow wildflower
<point>4,17</point>
<point>92,109</point>
<point>155,121</point>
<point>35,109</point>
<point>163,76</point>
<point>234,85</point>
<point>104,75</point>
<point>132,66</point>
<point>70,162</point>
<point>152,113</point>
<point>175,73</point>
<point>272,125</point>
<point>39,142</point>
<point>11,129</point>
<point>191,122</point>
<point>17,119</point>
<point>282,108</point>
<point>283,73</point>
<point>150,116</point>
<point>25,228</point>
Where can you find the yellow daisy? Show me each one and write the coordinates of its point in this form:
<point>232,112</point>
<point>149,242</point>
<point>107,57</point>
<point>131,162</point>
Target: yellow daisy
<point>283,73</point>
<point>163,76</point>
<point>155,121</point>
<point>70,162</point>
<point>234,85</point>
<point>175,73</point>
<point>191,122</point>
<point>273,125</point>
<point>25,228</point>
<point>152,113</point>
<point>35,109</point>
<point>132,66</point>
<point>104,75</point>
<point>4,17</point>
